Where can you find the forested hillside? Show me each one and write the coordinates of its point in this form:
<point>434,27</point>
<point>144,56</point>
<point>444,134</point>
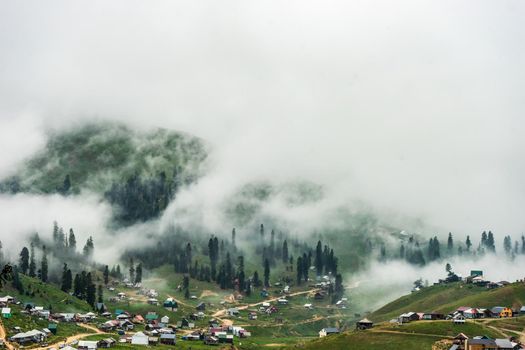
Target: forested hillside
<point>137,172</point>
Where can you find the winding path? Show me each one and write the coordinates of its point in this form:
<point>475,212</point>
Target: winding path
<point>222,312</point>
<point>72,338</point>
<point>3,335</point>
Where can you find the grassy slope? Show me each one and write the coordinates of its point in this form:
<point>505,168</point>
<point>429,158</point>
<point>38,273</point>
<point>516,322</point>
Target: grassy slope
<point>421,335</point>
<point>46,294</point>
<point>446,298</point>
<point>371,341</point>
<point>415,335</point>
<point>446,328</point>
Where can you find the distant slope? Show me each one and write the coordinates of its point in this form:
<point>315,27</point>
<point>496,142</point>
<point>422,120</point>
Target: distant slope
<point>446,298</point>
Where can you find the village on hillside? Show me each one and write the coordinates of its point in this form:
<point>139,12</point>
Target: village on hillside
<point>464,314</point>
<point>123,317</point>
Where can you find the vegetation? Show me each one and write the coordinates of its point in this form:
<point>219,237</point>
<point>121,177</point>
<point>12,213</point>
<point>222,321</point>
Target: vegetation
<point>138,172</point>
<point>446,298</point>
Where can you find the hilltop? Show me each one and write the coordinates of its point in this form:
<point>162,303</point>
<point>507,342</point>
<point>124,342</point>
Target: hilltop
<point>138,172</point>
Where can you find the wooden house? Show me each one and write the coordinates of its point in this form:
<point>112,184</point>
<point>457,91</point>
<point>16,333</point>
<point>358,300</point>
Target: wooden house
<point>501,312</point>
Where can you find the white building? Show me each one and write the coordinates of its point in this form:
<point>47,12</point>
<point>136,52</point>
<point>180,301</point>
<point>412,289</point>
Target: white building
<point>87,345</point>
<point>139,338</point>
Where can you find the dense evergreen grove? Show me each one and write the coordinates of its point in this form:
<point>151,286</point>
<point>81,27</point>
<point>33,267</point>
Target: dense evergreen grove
<point>141,199</point>
<point>412,252</point>
<point>223,261</point>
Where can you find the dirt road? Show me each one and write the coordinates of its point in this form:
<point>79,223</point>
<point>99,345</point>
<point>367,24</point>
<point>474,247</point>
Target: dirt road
<point>3,335</point>
<point>222,312</point>
<point>74,337</point>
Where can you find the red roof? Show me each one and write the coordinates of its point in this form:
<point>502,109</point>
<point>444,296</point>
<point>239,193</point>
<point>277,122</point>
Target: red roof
<point>463,308</point>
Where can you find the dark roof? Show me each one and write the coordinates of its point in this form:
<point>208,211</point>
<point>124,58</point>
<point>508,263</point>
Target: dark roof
<point>167,336</point>
<point>497,309</point>
<point>491,342</point>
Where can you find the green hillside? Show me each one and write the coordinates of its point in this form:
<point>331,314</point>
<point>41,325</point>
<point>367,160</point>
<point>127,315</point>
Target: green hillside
<point>96,155</point>
<point>448,297</point>
<point>138,172</point>
<point>415,335</point>
<point>46,294</point>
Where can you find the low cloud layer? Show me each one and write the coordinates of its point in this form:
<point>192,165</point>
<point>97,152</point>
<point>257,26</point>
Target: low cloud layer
<point>384,282</point>
<point>414,108</point>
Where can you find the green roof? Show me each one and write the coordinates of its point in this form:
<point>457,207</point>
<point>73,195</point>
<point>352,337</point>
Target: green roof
<point>52,326</point>
<point>152,316</point>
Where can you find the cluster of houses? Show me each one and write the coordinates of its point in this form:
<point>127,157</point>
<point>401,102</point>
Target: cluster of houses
<point>216,334</point>
<point>461,314</point>
<point>463,342</point>
<point>41,335</point>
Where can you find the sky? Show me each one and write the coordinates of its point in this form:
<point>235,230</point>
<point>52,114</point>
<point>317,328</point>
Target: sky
<point>415,107</point>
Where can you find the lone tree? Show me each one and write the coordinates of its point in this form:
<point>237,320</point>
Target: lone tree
<point>266,273</point>
<point>24,260</point>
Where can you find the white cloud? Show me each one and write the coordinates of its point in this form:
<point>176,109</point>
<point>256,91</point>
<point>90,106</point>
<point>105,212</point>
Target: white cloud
<point>413,107</point>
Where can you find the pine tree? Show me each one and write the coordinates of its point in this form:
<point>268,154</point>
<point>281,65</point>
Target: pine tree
<point>44,266</point>
<point>72,247</point>
<point>188,254</point>
<point>266,273</point>
<point>338,289</point>
<point>32,263</point>
<point>248,288</point>
<point>255,279</point>
<point>484,238</point>
<point>77,286</point>
<point>60,238</point>
<point>55,232</point>
<point>24,260</point>
<point>490,242</point>
<point>131,271</point>
<point>106,275</point>
<point>306,267</point>
<point>228,271</point>
<point>507,244</point>
<point>233,237</point>
<point>468,243</point>
<point>450,242</point>
<point>402,252</point>
<point>522,244</point>
<point>318,259</point>
<point>299,270</point>
<point>240,273</point>
<point>91,290</point>
<point>100,294</point>
<point>66,282</point>
<point>272,246</point>
<point>66,186</point>
<point>138,273</point>
<point>89,248</point>
<point>285,252</point>
<point>119,273</point>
